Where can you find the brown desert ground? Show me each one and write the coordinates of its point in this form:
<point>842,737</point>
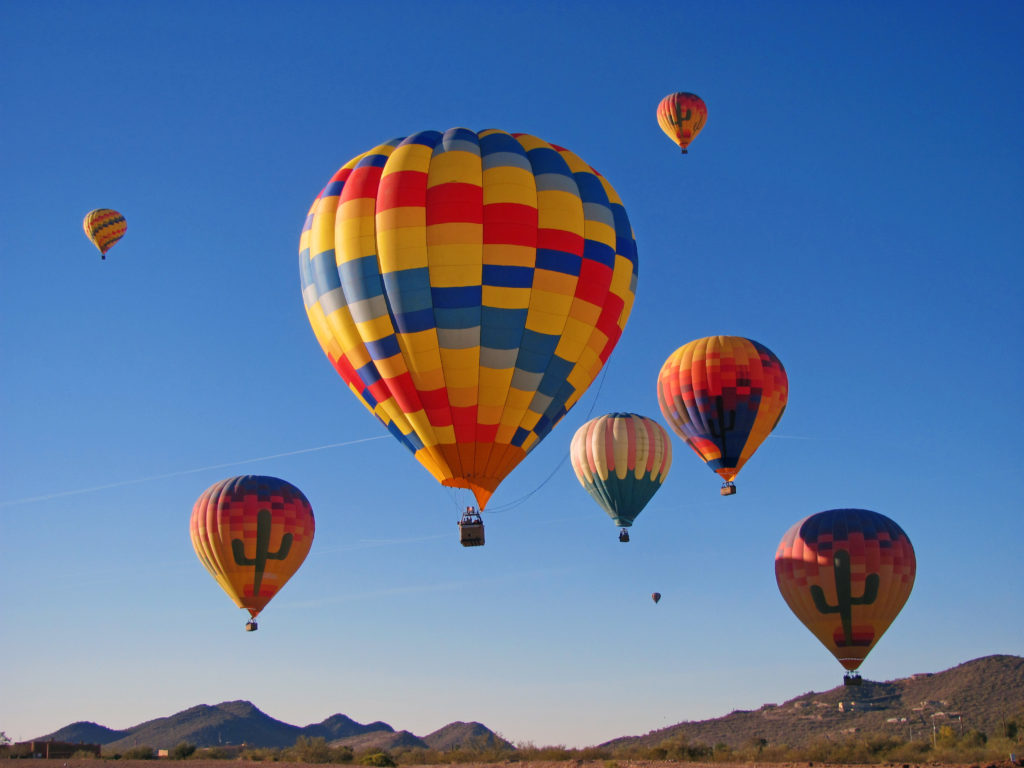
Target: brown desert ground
<point>165,763</point>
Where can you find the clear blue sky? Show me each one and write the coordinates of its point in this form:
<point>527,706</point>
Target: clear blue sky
<point>854,203</point>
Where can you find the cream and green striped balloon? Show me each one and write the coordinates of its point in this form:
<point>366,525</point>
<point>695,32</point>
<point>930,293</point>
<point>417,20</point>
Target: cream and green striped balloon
<point>621,459</point>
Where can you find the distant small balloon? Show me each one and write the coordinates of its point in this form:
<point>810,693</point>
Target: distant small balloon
<point>104,227</point>
<point>681,116</point>
<point>656,597</point>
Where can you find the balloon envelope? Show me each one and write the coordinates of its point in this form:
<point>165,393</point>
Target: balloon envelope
<point>104,227</point>
<point>681,116</point>
<point>621,459</point>
<point>252,533</point>
<point>656,597</point>
<point>846,573</point>
<point>723,395</point>
<point>468,287</point>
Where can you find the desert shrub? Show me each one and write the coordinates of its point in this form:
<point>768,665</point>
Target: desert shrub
<point>527,752</point>
<point>215,753</point>
<point>775,753</point>
<point>261,754</point>
<point>656,753</point>
<point>416,756</point>
<point>674,748</point>
<point>139,753</point>
<point>380,759</point>
<point>182,751</point>
<point>909,752</point>
<point>820,751</point>
<point>342,754</point>
<point>310,750</point>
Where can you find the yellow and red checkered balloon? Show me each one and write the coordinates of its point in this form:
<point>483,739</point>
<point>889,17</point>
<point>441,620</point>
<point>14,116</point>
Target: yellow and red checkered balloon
<point>468,287</point>
<point>723,395</point>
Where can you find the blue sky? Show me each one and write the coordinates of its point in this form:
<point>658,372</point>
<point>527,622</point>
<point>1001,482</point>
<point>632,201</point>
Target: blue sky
<point>853,203</point>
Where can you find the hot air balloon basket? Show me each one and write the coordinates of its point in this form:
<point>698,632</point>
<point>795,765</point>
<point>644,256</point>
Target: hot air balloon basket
<point>471,529</point>
<point>728,489</point>
<point>251,626</point>
<point>471,535</point>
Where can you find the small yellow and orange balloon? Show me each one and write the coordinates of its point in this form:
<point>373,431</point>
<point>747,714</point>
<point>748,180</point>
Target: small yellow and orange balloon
<point>252,533</point>
<point>846,574</point>
<point>681,116</point>
<point>104,227</point>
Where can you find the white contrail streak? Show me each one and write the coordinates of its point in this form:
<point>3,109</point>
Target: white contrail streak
<point>91,489</point>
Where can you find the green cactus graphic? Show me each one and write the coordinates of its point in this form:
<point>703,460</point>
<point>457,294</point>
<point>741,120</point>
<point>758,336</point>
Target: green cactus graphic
<point>680,118</point>
<point>844,597</point>
<point>263,553</point>
<point>719,429</point>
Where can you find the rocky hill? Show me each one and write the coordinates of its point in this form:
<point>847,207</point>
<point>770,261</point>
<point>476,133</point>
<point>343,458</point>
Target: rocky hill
<point>977,695</point>
<point>381,740</point>
<point>341,727</point>
<point>240,722</point>
<point>459,735</point>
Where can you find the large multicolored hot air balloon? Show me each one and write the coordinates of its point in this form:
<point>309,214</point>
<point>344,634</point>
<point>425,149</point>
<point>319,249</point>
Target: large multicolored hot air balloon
<point>468,287</point>
<point>846,573</point>
<point>681,116</point>
<point>723,395</point>
<point>621,459</point>
<point>104,227</point>
<point>252,533</point>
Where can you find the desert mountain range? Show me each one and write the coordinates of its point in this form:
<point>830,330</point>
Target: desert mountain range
<point>977,695</point>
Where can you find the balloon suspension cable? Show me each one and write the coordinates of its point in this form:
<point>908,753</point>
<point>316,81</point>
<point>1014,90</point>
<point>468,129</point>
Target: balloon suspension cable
<point>453,496</point>
<point>522,499</point>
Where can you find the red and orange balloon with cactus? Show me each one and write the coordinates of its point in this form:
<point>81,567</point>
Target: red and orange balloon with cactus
<point>846,574</point>
<point>252,533</point>
<point>682,116</point>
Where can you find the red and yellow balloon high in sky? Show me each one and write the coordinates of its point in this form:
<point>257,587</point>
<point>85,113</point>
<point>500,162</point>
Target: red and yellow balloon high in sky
<point>104,227</point>
<point>252,533</point>
<point>468,287</point>
<point>846,574</point>
<point>723,395</point>
<point>681,116</point>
